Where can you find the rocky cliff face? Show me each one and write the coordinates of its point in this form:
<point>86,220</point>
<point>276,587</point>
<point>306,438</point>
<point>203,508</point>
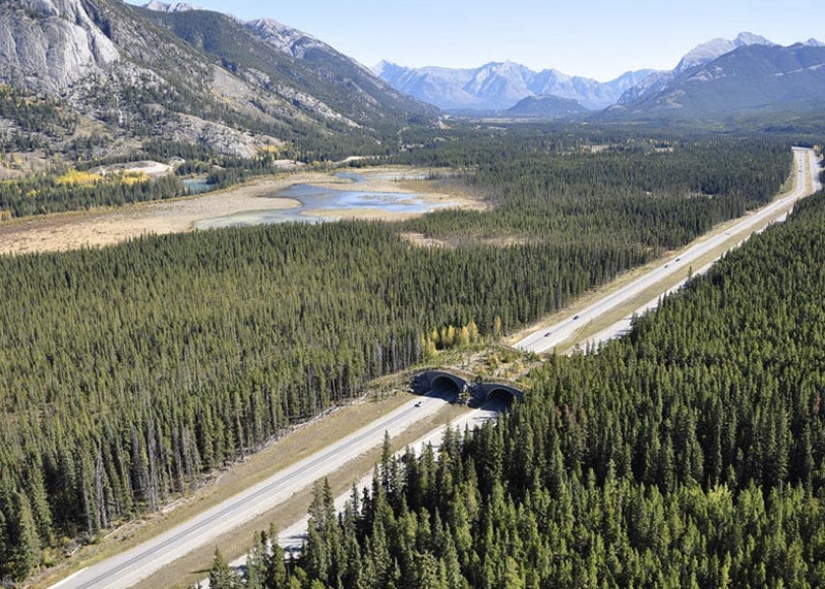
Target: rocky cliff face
<point>291,41</point>
<point>189,75</point>
<point>49,45</point>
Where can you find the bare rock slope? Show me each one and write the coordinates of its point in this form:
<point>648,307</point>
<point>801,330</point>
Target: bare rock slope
<point>48,45</point>
<point>192,75</point>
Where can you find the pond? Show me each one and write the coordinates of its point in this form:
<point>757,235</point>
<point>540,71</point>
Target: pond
<point>315,200</point>
<point>197,185</point>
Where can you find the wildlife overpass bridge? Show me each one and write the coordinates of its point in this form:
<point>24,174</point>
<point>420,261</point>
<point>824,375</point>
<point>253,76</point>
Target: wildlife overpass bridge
<point>464,386</point>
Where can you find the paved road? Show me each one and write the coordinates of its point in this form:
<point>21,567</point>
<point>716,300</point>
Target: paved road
<point>293,537</point>
<point>127,569</point>
<point>545,339</point>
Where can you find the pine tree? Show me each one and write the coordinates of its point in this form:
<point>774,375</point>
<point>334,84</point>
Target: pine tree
<point>276,573</point>
<point>221,575</point>
<point>24,540</point>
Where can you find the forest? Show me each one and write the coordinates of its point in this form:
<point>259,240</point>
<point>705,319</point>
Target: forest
<point>688,454</point>
<point>37,121</point>
<point>641,188</point>
<point>128,373</point>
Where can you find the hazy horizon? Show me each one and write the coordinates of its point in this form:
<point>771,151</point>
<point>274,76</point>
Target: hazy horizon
<point>598,39</point>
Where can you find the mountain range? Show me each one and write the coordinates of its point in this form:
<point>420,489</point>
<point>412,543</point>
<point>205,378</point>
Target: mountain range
<point>112,74</point>
<point>750,79</point>
<point>501,86</point>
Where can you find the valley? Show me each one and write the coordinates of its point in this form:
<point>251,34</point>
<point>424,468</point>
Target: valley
<point>96,228</point>
<point>612,314</point>
<point>237,264</point>
<point>139,567</point>
<point>314,234</point>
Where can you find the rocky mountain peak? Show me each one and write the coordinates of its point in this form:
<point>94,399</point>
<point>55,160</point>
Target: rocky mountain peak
<point>698,56</point>
<point>500,85</point>
<point>291,41</point>
<point>746,38</point>
<point>165,7</point>
<point>287,39</point>
<point>707,52</point>
<point>48,45</point>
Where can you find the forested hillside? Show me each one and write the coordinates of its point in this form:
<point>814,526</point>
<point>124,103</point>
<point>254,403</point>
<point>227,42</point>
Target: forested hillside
<point>110,69</point>
<point>128,372</point>
<point>659,191</point>
<point>37,121</point>
<point>687,455</point>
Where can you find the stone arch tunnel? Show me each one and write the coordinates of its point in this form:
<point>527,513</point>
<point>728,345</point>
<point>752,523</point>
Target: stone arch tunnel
<point>456,385</point>
<point>493,391</point>
<point>441,383</point>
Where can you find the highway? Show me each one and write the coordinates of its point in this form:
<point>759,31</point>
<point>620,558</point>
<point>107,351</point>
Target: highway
<point>292,538</point>
<point>564,331</point>
<point>127,569</point>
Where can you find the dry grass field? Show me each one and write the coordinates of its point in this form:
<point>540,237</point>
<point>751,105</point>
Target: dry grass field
<point>101,227</point>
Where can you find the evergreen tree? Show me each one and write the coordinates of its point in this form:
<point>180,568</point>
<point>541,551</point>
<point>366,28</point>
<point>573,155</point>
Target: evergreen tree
<point>221,575</point>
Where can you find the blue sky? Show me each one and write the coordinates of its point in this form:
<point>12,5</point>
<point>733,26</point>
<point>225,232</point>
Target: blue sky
<point>599,39</point>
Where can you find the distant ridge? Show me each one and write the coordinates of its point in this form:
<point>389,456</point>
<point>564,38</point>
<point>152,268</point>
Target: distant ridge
<point>759,75</point>
<point>755,78</point>
<point>500,85</point>
<point>545,106</point>
<point>699,55</point>
<point>707,52</point>
<point>176,7</point>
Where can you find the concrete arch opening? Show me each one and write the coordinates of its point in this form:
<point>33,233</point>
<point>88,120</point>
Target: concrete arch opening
<point>446,386</point>
<point>454,386</point>
<point>501,398</point>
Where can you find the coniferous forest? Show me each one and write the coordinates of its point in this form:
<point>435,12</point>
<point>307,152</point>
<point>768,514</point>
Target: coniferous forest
<point>129,372</point>
<point>688,454</point>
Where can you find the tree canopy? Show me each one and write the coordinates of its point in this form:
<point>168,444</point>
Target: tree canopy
<point>688,454</point>
<point>129,372</point>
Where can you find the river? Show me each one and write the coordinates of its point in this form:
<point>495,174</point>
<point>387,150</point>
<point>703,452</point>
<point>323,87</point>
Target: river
<point>314,201</point>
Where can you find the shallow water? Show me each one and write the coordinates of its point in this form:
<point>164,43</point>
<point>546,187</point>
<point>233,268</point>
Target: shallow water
<point>197,185</point>
<point>357,178</point>
<point>319,199</point>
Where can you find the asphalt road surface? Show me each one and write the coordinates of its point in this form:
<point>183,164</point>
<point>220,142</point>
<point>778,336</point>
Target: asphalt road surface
<point>293,537</point>
<point>547,338</point>
<point>127,569</point>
